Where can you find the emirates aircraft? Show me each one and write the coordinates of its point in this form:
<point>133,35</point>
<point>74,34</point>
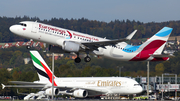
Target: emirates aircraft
<point>80,87</point>
<point>63,40</point>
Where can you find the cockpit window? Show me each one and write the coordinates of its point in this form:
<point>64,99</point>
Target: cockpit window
<point>22,24</point>
<point>136,84</point>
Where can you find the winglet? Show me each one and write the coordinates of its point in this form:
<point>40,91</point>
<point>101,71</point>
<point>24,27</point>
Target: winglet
<point>131,35</point>
<point>3,86</point>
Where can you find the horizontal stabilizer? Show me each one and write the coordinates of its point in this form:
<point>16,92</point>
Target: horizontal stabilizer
<point>3,86</point>
<point>162,55</point>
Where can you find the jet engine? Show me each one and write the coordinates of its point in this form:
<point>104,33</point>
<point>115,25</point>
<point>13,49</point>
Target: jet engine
<point>80,93</point>
<point>71,46</point>
<point>67,46</point>
<point>49,91</point>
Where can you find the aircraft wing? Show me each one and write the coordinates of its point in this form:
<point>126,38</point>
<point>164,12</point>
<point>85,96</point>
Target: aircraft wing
<point>95,45</point>
<point>89,89</point>
<point>69,89</point>
<point>22,93</point>
<point>25,83</point>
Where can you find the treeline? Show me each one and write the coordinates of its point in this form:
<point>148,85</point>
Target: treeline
<point>66,67</point>
<point>13,58</point>
<point>112,30</point>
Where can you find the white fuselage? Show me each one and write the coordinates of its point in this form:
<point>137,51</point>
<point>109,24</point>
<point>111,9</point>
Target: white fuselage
<point>56,36</point>
<point>106,85</point>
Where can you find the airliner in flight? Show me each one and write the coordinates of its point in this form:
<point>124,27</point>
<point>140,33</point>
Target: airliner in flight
<point>63,40</point>
<point>80,87</point>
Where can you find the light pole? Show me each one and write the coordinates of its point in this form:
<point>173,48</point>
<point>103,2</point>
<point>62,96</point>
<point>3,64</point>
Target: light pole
<point>162,87</point>
<point>52,76</point>
<point>148,79</point>
<point>120,71</point>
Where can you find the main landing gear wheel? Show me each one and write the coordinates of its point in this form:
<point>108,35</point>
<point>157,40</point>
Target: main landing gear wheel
<point>87,59</point>
<point>77,60</point>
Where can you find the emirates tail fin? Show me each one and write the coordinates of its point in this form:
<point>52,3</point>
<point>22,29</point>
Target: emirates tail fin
<point>44,72</point>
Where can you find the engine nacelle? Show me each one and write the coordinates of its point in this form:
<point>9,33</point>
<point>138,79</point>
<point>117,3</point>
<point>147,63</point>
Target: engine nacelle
<point>67,46</point>
<point>49,91</point>
<point>56,49</point>
<point>80,93</point>
<point>71,46</point>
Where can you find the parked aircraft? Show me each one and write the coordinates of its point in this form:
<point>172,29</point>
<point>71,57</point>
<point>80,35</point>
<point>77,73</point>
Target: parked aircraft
<point>63,40</point>
<point>80,87</point>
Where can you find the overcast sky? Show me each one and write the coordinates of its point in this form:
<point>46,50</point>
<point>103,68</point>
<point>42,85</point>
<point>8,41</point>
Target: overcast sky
<point>101,10</point>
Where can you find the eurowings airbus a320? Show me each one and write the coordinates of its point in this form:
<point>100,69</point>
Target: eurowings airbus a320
<point>63,40</point>
<point>80,87</point>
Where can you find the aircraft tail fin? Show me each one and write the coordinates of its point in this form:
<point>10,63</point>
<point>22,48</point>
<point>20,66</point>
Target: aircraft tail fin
<point>154,46</point>
<point>44,72</point>
<point>157,42</point>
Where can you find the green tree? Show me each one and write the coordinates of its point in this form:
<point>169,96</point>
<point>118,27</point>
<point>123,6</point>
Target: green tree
<point>159,68</point>
<point>4,78</point>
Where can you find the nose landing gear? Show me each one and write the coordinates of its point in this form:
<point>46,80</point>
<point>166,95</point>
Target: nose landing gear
<point>29,44</point>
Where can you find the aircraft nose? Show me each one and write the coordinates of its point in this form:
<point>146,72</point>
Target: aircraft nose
<point>16,30</point>
<point>12,28</point>
<point>140,89</point>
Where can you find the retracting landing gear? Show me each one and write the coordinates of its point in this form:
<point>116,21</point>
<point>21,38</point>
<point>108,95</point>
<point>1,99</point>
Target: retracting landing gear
<point>86,59</point>
<point>78,59</point>
<point>29,46</point>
